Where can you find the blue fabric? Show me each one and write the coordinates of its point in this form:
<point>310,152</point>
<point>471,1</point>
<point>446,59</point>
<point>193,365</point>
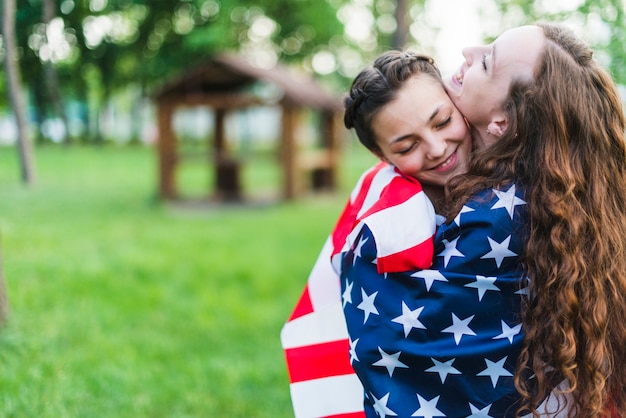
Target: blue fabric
<point>444,341</point>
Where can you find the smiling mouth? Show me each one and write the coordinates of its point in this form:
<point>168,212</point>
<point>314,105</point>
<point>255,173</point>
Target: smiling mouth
<point>447,163</point>
<point>459,75</point>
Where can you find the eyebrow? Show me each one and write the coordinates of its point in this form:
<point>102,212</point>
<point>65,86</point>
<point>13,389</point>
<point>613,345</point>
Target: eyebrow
<point>430,119</point>
<point>435,112</point>
<point>493,59</point>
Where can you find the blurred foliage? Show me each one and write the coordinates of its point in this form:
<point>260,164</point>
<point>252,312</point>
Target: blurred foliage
<point>602,23</point>
<point>100,47</point>
<point>142,41</point>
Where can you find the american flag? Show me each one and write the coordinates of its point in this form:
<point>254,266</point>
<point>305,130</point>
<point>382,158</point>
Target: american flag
<point>315,338</point>
<point>443,341</point>
<point>454,328</point>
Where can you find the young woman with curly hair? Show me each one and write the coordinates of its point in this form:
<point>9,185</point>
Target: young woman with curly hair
<point>560,135</point>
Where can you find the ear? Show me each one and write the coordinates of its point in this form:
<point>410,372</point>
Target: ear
<point>498,125</point>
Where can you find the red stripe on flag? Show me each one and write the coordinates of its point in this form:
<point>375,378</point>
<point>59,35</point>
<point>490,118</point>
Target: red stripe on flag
<point>304,306</point>
<point>360,414</point>
<point>351,211</point>
<point>399,190</point>
<point>318,361</point>
<point>418,256</point>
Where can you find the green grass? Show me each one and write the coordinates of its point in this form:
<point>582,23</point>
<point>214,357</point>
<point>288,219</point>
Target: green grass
<point>124,307</point>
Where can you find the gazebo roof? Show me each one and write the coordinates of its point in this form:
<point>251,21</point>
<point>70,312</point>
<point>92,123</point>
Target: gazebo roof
<point>225,74</point>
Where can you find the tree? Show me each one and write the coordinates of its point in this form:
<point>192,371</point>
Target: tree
<point>15,92</point>
<point>51,76</point>
<point>401,34</point>
<point>120,43</point>
<point>4,300</point>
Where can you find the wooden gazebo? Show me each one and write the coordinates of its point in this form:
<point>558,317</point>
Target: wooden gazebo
<point>224,84</point>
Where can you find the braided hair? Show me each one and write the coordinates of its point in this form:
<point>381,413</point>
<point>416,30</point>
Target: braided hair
<point>377,85</point>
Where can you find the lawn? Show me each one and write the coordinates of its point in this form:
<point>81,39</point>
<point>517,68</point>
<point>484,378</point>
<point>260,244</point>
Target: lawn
<point>122,306</point>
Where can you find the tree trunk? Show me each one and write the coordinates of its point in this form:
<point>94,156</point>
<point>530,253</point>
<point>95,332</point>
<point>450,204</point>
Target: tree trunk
<point>51,76</point>
<point>4,300</point>
<point>401,34</point>
<point>24,145</point>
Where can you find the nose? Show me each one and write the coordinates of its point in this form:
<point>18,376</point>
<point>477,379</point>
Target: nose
<point>436,148</point>
<point>469,53</point>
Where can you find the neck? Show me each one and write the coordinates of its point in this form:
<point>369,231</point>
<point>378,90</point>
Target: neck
<point>479,137</point>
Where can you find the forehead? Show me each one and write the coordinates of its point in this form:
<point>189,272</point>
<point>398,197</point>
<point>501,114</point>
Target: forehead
<point>518,50</point>
<point>417,102</point>
<point>420,88</point>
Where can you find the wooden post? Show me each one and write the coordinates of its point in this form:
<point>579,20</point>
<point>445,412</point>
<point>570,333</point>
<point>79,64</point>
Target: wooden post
<point>167,151</point>
<point>331,125</point>
<point>288,154</point>
<point>227,183</point>
<point>220,134</point>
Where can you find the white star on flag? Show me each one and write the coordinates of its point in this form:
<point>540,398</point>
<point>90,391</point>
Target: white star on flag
<point>428,409</point>
<point>507,200</point>
<point>444,369</point>
<point>367,305</point>
<point>390,361</point>
<point>347,294</point>
<point>459,328</point>
<point>499,250</point>
<point>525,291</point>
<point>429,277</point>
<point>482,284</point>
<point>465,209</point>
<point>357,250</point>
<point>480,413</point>
<point>450,251</point>
<point>495,370</point>
<point>408,319</point>
<point>508,332</point>
<point>380,406</point>
<point>353,355</point>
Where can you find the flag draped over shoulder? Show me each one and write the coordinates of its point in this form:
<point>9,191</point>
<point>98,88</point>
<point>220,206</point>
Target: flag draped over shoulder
<point>315,337</point>
<point>442,342</point>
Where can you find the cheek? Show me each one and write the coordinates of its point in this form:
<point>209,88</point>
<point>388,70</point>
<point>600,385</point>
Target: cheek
<point>471,95</point>
<point>457,133</point>
<point>410,165</point>
<point>460,131</point>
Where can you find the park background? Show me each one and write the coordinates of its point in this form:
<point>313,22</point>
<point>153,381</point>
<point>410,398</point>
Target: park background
<point>117,303</point>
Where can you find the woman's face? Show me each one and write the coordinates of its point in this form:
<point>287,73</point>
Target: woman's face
<point>481,85</point>
<point>422,133</point>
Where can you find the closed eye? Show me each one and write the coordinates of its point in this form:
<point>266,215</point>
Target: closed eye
<point>407,150</point>
<point>445,122</point>
<point>484,61</point>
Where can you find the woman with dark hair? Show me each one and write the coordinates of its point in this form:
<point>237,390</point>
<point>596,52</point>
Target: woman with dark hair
<point>428,340</point>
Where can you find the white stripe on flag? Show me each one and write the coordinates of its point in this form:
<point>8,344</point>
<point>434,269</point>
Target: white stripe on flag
<point>380,181</point>
<point>318,327</point>
<point>333,395</point>
<point>324,286</point>
<point>418,225</point>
